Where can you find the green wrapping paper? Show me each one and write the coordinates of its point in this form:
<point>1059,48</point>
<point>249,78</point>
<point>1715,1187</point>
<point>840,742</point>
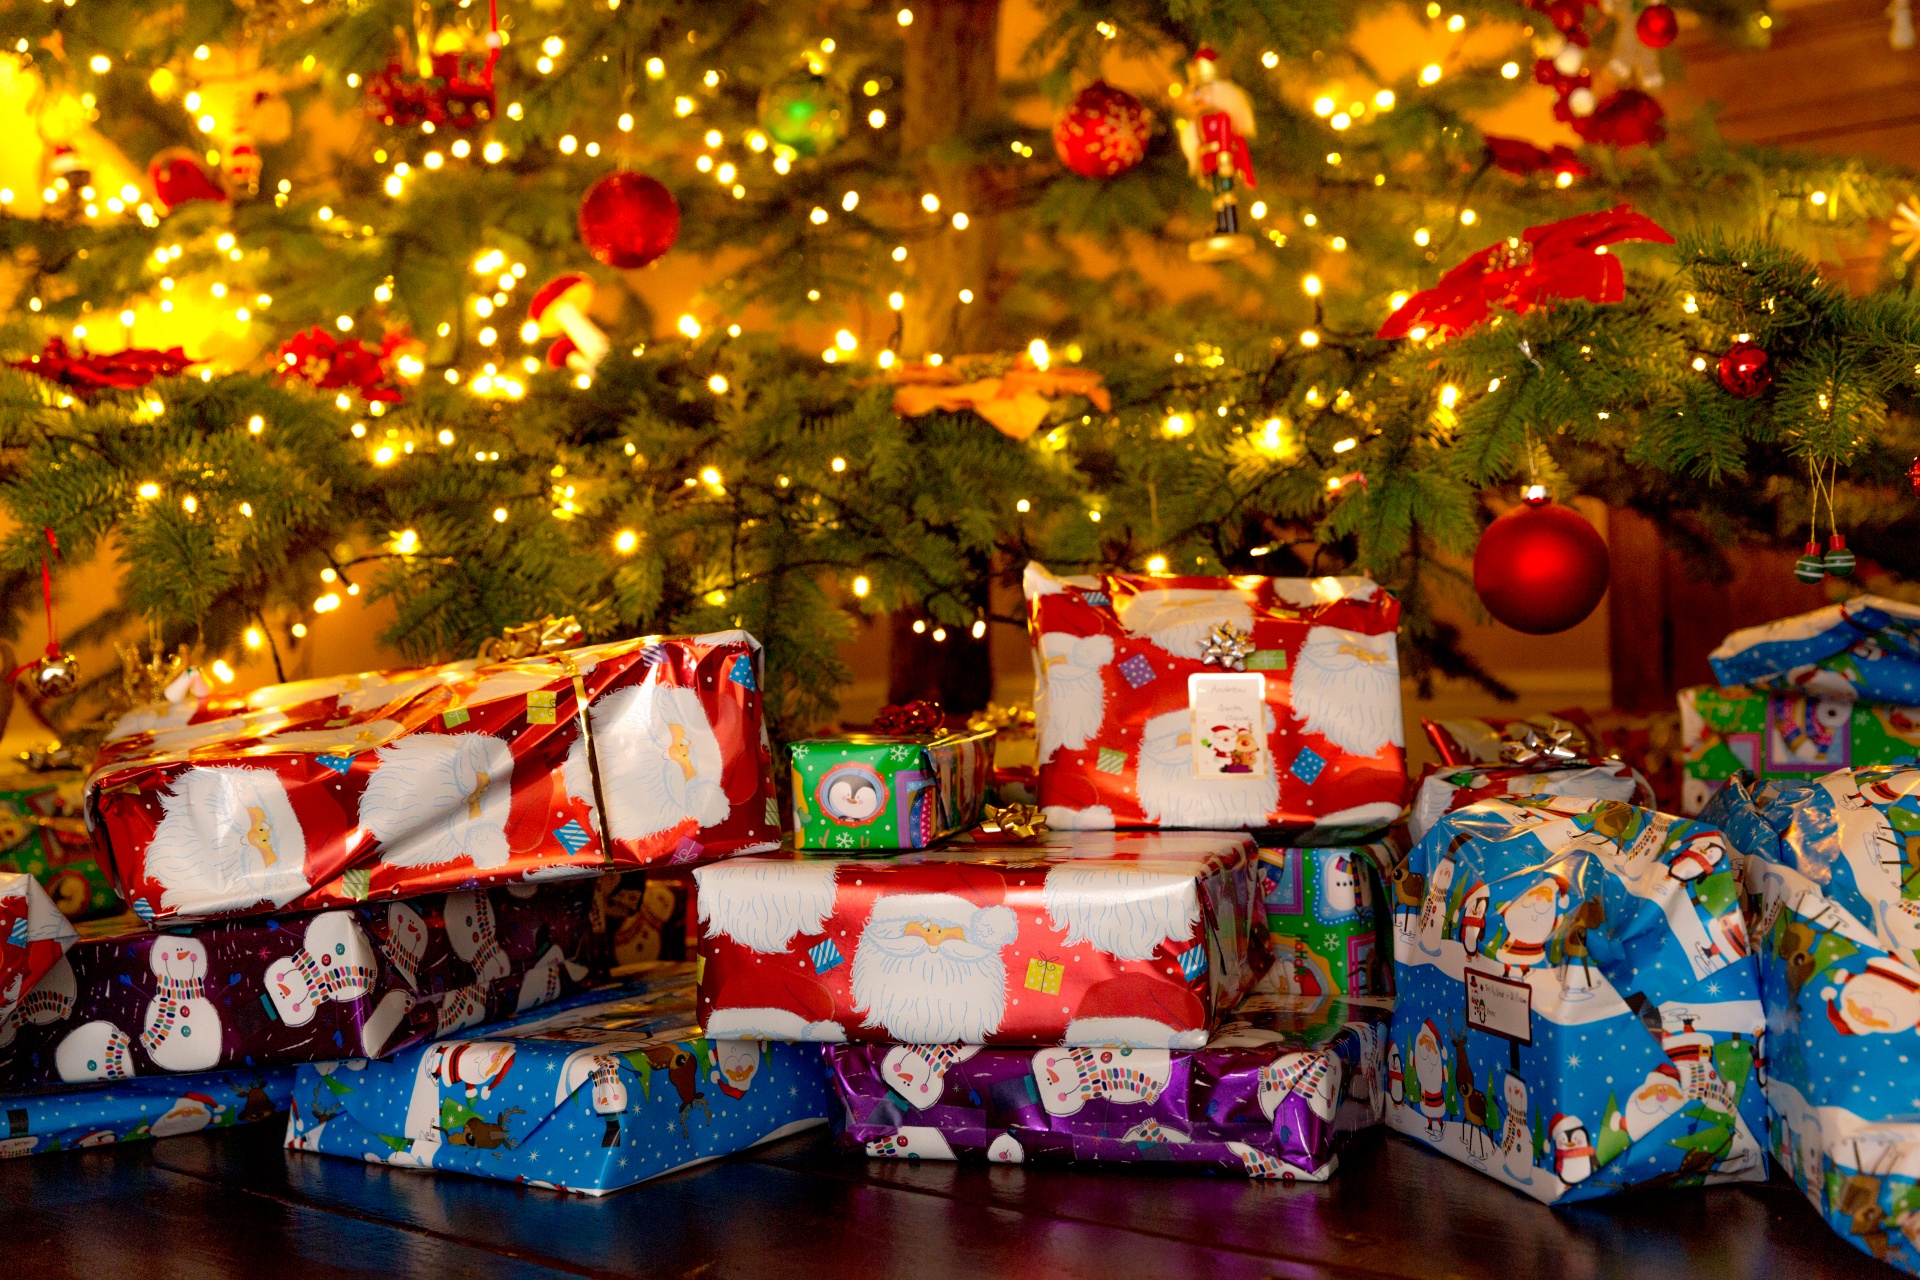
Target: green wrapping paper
<point>43,834</point>
<point>1325,920</point>
<point>1786,735</point>
<point>863,791</point>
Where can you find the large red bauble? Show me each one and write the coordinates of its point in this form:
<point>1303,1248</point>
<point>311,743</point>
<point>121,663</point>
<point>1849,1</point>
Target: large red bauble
<point>1103,132</point>
<point>1657,26</point>
<point>1743,371</point>
<point>1540,568</point>
<point>628,219</point>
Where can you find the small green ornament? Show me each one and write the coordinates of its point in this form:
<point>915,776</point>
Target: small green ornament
<point>1811,567</point>
<point>1839,561</point>
<point>805,112</point>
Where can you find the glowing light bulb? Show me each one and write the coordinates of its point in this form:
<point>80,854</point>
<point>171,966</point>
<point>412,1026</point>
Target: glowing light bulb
<point>930,202</point>
<point>1156,564</point>
<point>626,541</point>
<point>717,384</point>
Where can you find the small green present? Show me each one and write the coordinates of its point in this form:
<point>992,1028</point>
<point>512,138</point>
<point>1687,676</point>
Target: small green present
<point>1326,921</point>
<point>1785,735</point>
<point>43,834</point>
<point>863,791</point>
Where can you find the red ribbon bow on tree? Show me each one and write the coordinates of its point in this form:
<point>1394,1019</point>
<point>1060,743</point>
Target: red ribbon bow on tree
<point>916,717</point>
<point>1558,262</point>
<point>87,372</point>
<point>316,357</point>
<point>1520,157</point>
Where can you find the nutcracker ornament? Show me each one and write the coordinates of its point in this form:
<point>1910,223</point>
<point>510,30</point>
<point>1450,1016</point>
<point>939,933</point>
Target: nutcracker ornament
<point>1215,126</point>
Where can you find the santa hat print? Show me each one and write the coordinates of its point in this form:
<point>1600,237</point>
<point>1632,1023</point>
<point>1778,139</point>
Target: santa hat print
<point>1140,1010</point>
<point>773,1006</point>
<point>957,896</point>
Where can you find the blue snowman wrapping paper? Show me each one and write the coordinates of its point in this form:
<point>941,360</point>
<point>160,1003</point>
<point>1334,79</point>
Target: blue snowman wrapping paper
<point>1832,872</point>
<point>1867,648</point>
<point>1577,1011</point>
<point>140,1108</point>
<point>606,1090</point>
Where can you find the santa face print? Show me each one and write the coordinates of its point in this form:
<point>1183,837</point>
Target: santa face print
<point>764,905</point>
<point>1170,794</point>
<point>437,798</point>
<point>659,761</point>
<point>1346,688</point>
<point>928,968</point>
<point>228,838</point>
<point>1179,619</point>
<point>737,1061</point>
<point>1072,700</point>
<point>1872,1003</point>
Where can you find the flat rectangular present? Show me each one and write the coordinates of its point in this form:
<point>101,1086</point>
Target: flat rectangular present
<point>331,792</point>
<point>613,1088</point>
<point>1325,915</point>
<point>1278,1092</point>
<point>39,1124</point>
<point>43,832</point>
<point>1576,1011</point>
<point>1135,938</point>
<point>866,791</point>
<point>1785,735</point>
<point>126,1002</point>
<point>1218,703</point>
<point>1445,788</point>
<point>1866,648</point>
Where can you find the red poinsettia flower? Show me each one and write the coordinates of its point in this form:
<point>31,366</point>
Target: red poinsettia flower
<point>1559,262</point>
<point>317,357</point>
<point>1520,157</point>
<point>87,372</point>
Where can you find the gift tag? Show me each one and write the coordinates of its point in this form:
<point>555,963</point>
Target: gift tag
<point>1500,1006</point>
<point>1229,720</point>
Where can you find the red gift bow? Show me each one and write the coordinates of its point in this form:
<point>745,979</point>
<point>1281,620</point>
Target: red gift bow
<point>87,372</point>
<point>920,716</point>
<point>316,357</point>
<point>1557,262</point>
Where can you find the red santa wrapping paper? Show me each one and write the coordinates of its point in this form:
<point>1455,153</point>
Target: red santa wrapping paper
<point>1222,703</point>
<point>329,792</point>
<point>1130,938</point>
<point>34,935</point>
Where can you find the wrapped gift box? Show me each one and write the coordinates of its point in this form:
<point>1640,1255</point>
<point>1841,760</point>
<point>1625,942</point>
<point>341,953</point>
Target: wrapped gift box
<point>1080,938</point>
<point>1222,703</point>
<point>616,1087</point>
<point>1866,648</point>
<point>268,991</point>
<point>1277,1093</point>
<point>1784,735</point>
<point>135,1110</point>
<point>1576,1010</point>
<point>43,833</point>
<point>1832,870</point>
<point>864,791</point>
<point>1325,921</point>
<point>331,792</point>
<point>1447,788</point>
<point>34,936</point>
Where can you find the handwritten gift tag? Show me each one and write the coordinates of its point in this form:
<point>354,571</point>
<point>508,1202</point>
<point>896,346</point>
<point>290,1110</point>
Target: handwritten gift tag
<point>1500,1006</point>
<point>1229,724</point>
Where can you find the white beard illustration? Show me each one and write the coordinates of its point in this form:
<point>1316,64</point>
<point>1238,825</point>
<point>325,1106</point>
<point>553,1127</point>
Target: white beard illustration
<point>1178,619</point>
<point>1172,797</point>
<point>1096,818</point>
<point>659,761</point>
<point>1346,688</point>
<point>229,838</point>
<point>956,991</point>
<point>1123,911</point>
<point>1070,697</point>
<point>763,906</point>
<point>439,797</point>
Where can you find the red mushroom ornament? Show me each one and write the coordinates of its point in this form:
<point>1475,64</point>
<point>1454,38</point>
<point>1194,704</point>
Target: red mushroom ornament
<point>560,307</point>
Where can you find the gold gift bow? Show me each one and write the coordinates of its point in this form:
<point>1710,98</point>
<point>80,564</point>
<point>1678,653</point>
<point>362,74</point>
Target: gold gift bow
<point>1021,821</point>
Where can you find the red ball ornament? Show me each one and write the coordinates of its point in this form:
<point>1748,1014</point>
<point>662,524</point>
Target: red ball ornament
<point>1657,26</point>
<point>1103,132</point>
<point>1744,372</point>
<point>1540,568</point>
<point>628,219</point>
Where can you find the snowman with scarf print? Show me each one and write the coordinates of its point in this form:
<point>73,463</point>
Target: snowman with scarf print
<point>181,1030</point>
<point>1516,1137</point>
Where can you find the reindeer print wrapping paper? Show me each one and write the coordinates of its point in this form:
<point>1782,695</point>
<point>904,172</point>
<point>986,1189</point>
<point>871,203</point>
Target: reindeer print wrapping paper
<point>609,1089</point>
<point>1278,1092</point>
<point>1832,874</point>
<point>1800,734</point>
<point>136,1110</point>
<point>1136,938</point>
<point>1577,1013</point>
<point>126,1003</point>
<point>332,792</point>
<point>1217,703</point>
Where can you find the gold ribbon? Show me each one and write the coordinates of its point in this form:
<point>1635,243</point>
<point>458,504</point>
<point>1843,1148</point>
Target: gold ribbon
<point>1014,822</point>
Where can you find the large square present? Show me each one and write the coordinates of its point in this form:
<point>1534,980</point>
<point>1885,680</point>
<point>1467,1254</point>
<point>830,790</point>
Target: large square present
<point>1277,1093</point>
<point>612,1088</point>
<point>1325,911</point>
<point>38,1124</point>
<point>867,791</point>
<point>1577,1013</point>
<point>330,792</point>
<point>1136,938</point>
<point>1223,703</point>
<point>1782,734</point>
<point>43,833</point>
<point>1445,788</point>
<point>1866,648</point>
<point>128,1002</point>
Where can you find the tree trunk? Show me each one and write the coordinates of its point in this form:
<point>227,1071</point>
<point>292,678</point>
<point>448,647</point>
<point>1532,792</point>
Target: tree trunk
<point>956,672</point>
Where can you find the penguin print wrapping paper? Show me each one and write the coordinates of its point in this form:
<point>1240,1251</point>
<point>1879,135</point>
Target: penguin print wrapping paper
<point>135,1110</point>
<point>1278,1092</point>
<point>1577,1010</point>
<point>611,1088</point>
<point>1088,938</point>
<point>1217,703</point>
<point>1832,874</point>
<point>639,753</point>
<point>127,1003</point>
<point>866,791</point>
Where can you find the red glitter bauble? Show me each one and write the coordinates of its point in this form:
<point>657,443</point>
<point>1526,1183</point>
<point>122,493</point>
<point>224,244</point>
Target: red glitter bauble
<point>1540,568</point>
<point>628,219</point>
<point>1103,132</point>
<point>1744,371</point>
<point>1657,26</point>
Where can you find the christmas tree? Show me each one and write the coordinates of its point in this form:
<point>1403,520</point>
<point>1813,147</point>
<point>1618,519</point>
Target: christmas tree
<point>927,348</point>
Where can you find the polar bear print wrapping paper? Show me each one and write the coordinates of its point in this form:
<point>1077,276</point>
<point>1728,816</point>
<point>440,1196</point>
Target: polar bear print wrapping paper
<point>1312,745</point>
<point>1577,1013</point>
<point>327,793</point>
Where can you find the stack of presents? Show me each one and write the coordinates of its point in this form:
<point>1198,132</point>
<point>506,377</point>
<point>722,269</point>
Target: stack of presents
<point>1192,915</point>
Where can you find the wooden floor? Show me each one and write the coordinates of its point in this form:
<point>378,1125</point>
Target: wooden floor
<point>234,1203</point>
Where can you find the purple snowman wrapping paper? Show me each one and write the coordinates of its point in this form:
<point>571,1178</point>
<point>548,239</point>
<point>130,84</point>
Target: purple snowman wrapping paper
<point>1276,1093</point>
<point>276,990</point>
